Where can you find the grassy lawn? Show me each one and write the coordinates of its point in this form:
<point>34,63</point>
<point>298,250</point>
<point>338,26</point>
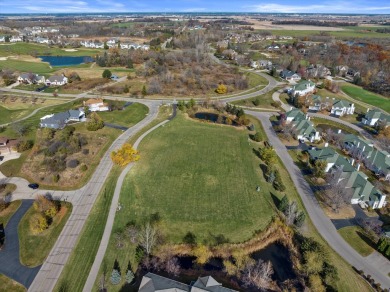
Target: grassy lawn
<point>39,49</point>
<point>255,79</point>
<point>367,96</point>
<point>35,248</point>
<point>24,66</point>
<point>355,237</point>
<point>127,117</point>
<point>85,250</point>
<point>264,101</point>
<point>7,213</point>
<point>8,284</point>
<point>328,123</point>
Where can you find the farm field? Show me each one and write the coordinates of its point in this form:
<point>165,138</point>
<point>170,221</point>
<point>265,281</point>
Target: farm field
<point>367,96</point>
<point>346,33</point>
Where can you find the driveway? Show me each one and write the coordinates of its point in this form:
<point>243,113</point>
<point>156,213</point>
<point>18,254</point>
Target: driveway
<point>375,265</point>
<point>9,255</point>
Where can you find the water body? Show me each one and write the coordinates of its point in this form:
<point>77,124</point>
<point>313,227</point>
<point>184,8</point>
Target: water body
<point>66,60</point>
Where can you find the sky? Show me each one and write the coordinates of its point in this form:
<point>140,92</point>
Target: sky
<point>281,6</point>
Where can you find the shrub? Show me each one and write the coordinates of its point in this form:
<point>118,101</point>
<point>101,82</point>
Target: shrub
<point>256,102</point>
<point>85,151</point>
<point>73,163</point>
<point>56,178</point>
<point>39,223</point>
<point>125,155</point>
<point>221,89</point>
<point>283,204</point>
<point>95,122</point>
<point>115,277</point>
<point>3,204</point>
<point>257,137</point>
<point>83,167</point>
<point>129,276</point>
<point>107,74</point>
<point>300,219</point>
<point>278,184</point>
<point>24,145</point>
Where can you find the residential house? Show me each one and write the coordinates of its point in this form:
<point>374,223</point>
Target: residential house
<point>15,39</point>
<point>379,163</point>
<point>41,40</point>
<point>342,107</point>
<point>289,75</point>
<point>352,73</point>
<point>302,126</point>
<point>57,80</point>
<point>302,88</point>
<point>30,78</point>
<point>96,105</point>
<point>342,70</point>
<point>155,283</point>
<point>7,145</point>
<point>2,39</point>
<point>317,71</point>
<point>315,103</point>
<point>374,117</point>
<point>332,158</point>
<point>59,120</point>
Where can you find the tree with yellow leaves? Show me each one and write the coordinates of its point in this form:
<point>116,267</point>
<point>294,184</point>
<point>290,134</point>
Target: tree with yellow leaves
<point>125,155</point>
<point>221,89</point>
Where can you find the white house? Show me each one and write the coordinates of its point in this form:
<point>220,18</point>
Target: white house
<point>374,116</point>
<point>2,39</point>
<point>302,88</point>
<point>57,80</point>
<point>290,75</point>
<point>96,105</point>
<point>30,78</point>
<point>342,107</point>
<point>15,39</point>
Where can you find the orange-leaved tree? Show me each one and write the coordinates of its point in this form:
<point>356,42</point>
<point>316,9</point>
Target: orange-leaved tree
<point>125,155</point>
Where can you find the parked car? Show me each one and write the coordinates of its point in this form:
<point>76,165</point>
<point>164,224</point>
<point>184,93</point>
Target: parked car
<point>39,89</point>
<point>33,186</point>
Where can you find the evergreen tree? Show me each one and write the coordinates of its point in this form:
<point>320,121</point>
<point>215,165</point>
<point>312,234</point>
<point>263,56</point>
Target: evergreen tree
<point>283,204</point>
<point>115,277</point>
<point>129,276</point>
<point>300,219</point>
<point>107,74</point>
<point>144,92</point>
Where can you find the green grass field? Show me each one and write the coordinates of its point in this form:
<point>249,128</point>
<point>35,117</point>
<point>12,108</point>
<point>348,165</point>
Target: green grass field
<point>24,66</point>
<point>357,32</point>
<point>208,172</point>
<point>7,284</point>
<point>354,235</point>
<point>43,50</point>
<point>264,101</point>
<point>86,248</point>
<point>35,248</point>
<point>367,96</point>
<point>127,117</point>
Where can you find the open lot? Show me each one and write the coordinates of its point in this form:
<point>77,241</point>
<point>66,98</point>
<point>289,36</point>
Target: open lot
<point>127,117</point>
<point>367,96</point>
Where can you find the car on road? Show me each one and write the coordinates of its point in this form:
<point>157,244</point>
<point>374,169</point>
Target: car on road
<point>33,186</point>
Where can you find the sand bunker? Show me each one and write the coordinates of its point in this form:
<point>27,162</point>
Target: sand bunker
<point>70,50</point>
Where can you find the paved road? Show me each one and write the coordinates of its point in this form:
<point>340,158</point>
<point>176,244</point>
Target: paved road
<point>375,265</point>
<point>83,201</point>
<point>9,257</point>
<point>111,216</point>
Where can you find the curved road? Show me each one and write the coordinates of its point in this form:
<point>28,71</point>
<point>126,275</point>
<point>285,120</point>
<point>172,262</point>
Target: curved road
<point>375,264</point>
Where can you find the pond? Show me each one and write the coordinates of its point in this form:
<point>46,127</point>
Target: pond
<point>279,256</point>
<point>66,60</point>
<point>212,117</point>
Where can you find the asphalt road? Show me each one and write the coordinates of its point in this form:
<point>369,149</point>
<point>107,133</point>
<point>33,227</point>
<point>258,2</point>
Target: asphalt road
<point>375,265</point>
<point>9,256</point>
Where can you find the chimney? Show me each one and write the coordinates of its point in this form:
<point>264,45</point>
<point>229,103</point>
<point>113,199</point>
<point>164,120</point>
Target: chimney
<point>339,131</point>
<point>352,161</point>
<point>368,110</point>
<point>358,166</point>
<point>326,144</point>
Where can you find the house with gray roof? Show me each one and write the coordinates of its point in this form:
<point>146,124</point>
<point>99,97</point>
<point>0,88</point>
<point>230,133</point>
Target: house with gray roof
<point>31,78</point>
<point>342,107</point>
<point>57,80</point>
<point>289,75</point>
<point>374,117</point>
<point>155,283</point>
<point>60,120</point>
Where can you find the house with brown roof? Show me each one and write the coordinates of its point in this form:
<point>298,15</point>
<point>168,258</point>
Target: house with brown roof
<point>7,145</point>
<point>96,105</point>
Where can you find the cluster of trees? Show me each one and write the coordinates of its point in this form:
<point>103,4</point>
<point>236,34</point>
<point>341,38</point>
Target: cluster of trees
<point>8,76</point>
<point>116,275</point>
<point>384,246</point>
<point>125,155</point>
<point>315,22</point>
<point>291,213</point>
<point>321,276</point>
<point>46,209</point>
<point>95,122</point>
<point>271,173</point>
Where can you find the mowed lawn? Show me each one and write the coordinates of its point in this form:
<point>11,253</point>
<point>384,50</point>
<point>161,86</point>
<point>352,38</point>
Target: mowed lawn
<point>355,237</point>
<point>127,117</point>
<point>24,66</point>
<point>367,96</point>
<point>200,178</point>
<point>7,284</point>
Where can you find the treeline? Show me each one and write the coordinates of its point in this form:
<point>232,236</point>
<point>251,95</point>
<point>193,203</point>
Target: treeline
<point>233,21</point>
<point>315,23</point>
<point>383,30</point>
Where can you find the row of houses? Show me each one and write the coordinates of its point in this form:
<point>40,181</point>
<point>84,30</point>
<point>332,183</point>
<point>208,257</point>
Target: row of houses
<point>337,107</point>
<point>303,128</point>
<point>30,78</point>
<point>114,44</point>
<point>354,181</point>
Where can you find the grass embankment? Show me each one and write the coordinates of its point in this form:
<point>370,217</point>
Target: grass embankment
<point>86,248</point>
<point>34,248</point>
<point>262,101</point>
<point>355,237</point>
<point>7,213</point>
<point>42,50</point>
<point>7,285</point>
<point>25,66</point>
<point>363,95</point>
<point>127,117</point>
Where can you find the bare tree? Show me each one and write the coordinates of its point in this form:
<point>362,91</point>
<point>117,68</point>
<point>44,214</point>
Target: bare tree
<point>132,233</point>
<point>172,266</point>
<point>336,195</point>
<point>148,237</point>
<point>258,274</point>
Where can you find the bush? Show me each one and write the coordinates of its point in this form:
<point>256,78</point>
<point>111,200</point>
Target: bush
<point>107,74</point>
<point>83,167</point>
<point>56,178</point>
<point>257,137</point>
<point>221,89</point>
<point>3,204</point>
<point>129,276</point>
<point>39,223</point>
<point>278,184</point>
<point>24,145</point>
<point>125,155</point>
<point>256,102</point>
<point>115,277</point>
<point>73,163</point>
<point>85,151</point>
<point>95,122</point>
